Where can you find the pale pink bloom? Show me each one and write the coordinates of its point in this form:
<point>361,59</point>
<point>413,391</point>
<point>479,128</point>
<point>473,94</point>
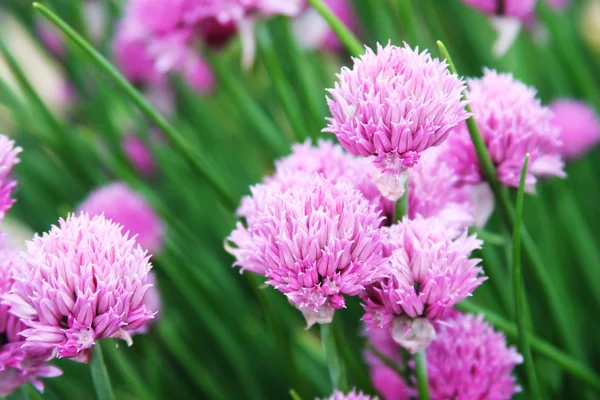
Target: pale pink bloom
<point>467,360</point>
<point>18,365</point>
<point>513,123</point>
<point>558,5</point>
<point>122,205</point>
<point>353,395</point>
<point>9,157</point>
<point>428,271</point>
<point>132,56</point>
<point>82,281</point>
<point>393,105</point>
<point>579,127</point>
<point>334,163</point>
<point>51,38</point>
<point>198,74</point>
<point>509,8</point>
<point>315,239</point>
<point>139,155</point>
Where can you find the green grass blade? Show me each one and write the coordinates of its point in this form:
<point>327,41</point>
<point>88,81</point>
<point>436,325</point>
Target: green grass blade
<point>100,377</point>
<point>352,44</point>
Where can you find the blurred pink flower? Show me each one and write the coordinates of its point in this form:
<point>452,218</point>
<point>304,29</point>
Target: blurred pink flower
<point>579,127</point>
<point>334,163</point>
<point>389,384</point>
<point>513,123</point>
<point>139,155</point>
<point>315,239</point>
<point>353,395</point>
<point>81,282</point>
<point>51,38</point>
<point>509,8</point>
<point>9,157</point>
<point>18,365</point>
<point>123,206</point>
<point>393,105</point>
<point>428,271</point>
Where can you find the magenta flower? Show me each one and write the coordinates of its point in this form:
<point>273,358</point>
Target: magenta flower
<point>510,8</point>
<point>435,190</point>
<point>334,163</point>
<point>9,157</point>
<point>17,364</point>
<point>428,271</point>
<point>579,127</point>
<point>51,38</point>
<point>119,203</point>
<point>139,155</point>
<point>393,105</point>
<point>82,281</point>
<point>467,360</point>
<point>513,123</point>
<point>313,238</point>
<point>353,395</point>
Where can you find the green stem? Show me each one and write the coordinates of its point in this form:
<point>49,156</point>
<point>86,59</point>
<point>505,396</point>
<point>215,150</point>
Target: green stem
<point>294,395</point>
<point>353,45</point>
<point>541,274</point>
<point>177,139</point>
<point>337,370</point>
<point>568,363</point>
<point>421,372</point>
<point>129,373</point>
<point>100,375</point>
<point>519,291</point>
<point>402,204</point>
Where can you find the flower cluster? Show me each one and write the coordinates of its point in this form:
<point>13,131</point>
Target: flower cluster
<point>81,282</point>
<point>467,360</point>
<point>579,127</point>
<point>313,238</point>
<point>9,157</point>
<point>508,8</point>
<point>119,203</point>
<point>513,123</point>
<point>353,395</point>
<point>393,105</point>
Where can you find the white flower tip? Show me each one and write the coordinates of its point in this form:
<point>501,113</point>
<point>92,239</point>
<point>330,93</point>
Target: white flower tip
<point>323,316</point>
<point>413,334</point>
<point>508,30</point>
<point>392,186</point>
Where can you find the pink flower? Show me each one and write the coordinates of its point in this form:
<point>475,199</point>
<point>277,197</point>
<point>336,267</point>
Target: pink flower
<point>513,123</point>
<point>428,271</point>
<point>315,239</point>
<point>51,38</point>
<point>81,282</point>
<point>225,11</point>
<point>9,157</point>
<point>139,155</point>
<point>509,8</point>
<point>334,163</point>
<point>467,360</point>
<point>579,127</point>
<point>393,105</point>
<point>198,74</point>
<point>353,395</point>
<point>435,190</point>
<point>132,56</point>
<point>17,364</point>
<point>122,205</point>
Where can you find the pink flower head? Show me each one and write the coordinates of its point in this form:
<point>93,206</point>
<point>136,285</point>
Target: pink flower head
<point>510,8</point>
<point>9,157</point>
<point>435,190</point>
<point>159,16</point>
<point>139,155</point>
<point>353,395</point>
<point>225,11</point>
<point>119,203</point>
<point>558,5</point>
<point>428,271</point>
<point>17,364</point>
<point>513,123</point>
<point>82,281</point>
<point>315,239</point>
<point>132,55</point>
<point>334,163</point>
<point>51,38</point>
<point>467,360</point>
<point>198,74</point>
<point>579,127</point>
<point>393,105</point>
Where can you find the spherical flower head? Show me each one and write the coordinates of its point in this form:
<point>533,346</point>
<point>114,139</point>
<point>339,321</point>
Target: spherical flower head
<point>9,157</point>
<point>428,271</point>
<point>83,281</point>
<point>18,365</point>
<point>468,360</point>
<point>509,8</point>
<point>579,127</point>
<point>313,238</point>
<point>393,105</point>
<point>121,204</point>
<point>513,123</point>
<point>435,190</point>
<point>139,155</point>
<point>353,395</point>
<point>334,163</point>
<point>159,16</point>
